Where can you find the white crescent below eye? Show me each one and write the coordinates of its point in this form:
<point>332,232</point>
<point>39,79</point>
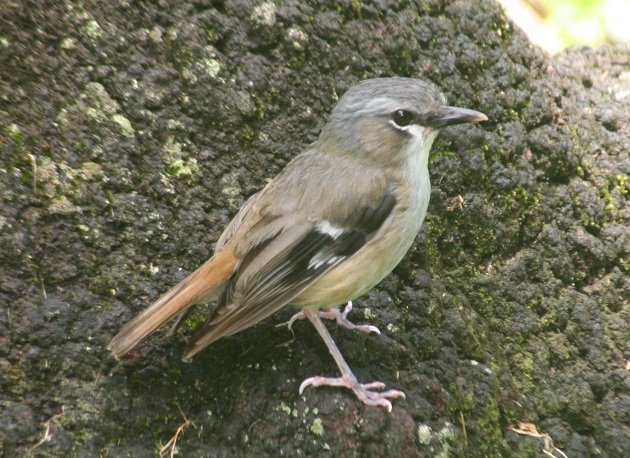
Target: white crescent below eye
<point>413,129</point>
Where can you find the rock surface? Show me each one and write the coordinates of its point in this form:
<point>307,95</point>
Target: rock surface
<point>130,133</point>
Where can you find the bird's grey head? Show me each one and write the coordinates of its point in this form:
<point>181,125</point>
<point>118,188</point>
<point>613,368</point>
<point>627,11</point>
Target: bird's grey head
<point>388,119</point>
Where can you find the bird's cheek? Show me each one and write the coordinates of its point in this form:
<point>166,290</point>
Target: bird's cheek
<point>379,141</point>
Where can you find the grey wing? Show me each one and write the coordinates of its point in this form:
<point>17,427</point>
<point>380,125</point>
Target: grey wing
<point>236,222</point>
<point>280,267</point>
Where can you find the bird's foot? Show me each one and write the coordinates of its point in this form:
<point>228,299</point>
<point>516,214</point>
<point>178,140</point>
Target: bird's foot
<point>340,317</point>
<point>368,393</point>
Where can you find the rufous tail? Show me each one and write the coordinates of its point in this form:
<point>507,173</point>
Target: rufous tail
<point>190,291</point>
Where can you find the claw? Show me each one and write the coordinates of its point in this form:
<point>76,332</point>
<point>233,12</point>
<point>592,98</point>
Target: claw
<point>368,393</point>
<point>294,318</point>
<point>341,318</point>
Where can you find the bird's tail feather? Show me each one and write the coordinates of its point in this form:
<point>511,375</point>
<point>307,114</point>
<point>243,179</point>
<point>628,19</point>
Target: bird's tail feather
<point>190,291</point>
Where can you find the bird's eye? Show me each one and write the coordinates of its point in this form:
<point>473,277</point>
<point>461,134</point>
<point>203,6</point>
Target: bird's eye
<point>402,118</point>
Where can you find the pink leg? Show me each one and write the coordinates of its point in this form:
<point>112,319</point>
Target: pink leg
<point>366,392</point>
<point>340,317</point>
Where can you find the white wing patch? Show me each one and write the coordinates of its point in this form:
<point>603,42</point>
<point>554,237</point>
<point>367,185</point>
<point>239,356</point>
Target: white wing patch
<point>320,259</point>
<point>324,227</point>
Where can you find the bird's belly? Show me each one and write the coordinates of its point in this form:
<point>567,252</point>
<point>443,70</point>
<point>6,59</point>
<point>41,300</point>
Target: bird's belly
<point>367,267</point>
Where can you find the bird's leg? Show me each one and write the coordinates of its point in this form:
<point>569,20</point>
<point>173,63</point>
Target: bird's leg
<point>340,317</point>
<point>368,393</point>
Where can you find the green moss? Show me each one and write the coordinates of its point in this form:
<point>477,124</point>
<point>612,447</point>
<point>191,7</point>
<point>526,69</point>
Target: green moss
<point>247,133</point>
<point>183,168</point>
<point>13,376</point>
<point>523,366</point>
<point>92,29</point>
<point>461,401</point>
<point>297,61</point>
<point>212,34</point>
<point>439,154</point>
<point>198,317</point>
<point>621,183</point>
<point>261,105</point>
<point>125,125</point>
<point>424,434</point>
<point>212,67</point>
<point>174,372</point>
<point>13,132</point>
<point>178,165</point>
<point>446,436</point>
<point>490,426</point>
<point>355,7</point>
<point>264,14</point>
<point>614,196</point>
<point>317,427</point>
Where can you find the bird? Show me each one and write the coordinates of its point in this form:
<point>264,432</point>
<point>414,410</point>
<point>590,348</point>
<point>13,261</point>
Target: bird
<point>328,228</point>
